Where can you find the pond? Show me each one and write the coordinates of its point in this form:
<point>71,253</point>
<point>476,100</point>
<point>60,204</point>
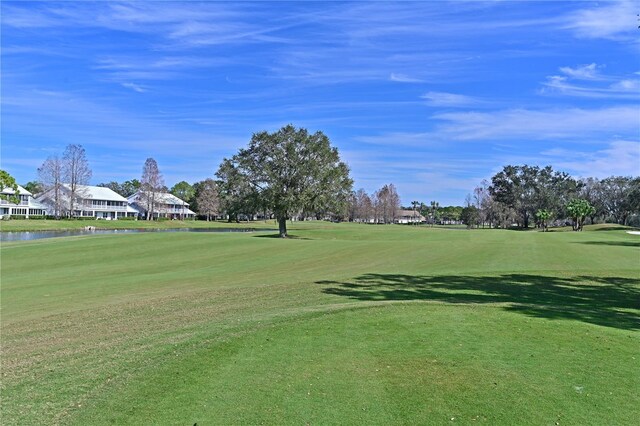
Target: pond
<point>37,235</point>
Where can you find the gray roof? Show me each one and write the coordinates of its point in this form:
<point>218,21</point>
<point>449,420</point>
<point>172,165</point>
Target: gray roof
<point>161,197</point>
<point>98,193</point>
<point>21,190</point>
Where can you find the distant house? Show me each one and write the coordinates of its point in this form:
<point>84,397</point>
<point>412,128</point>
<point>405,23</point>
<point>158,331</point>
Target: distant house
<point>27,206</point>
<point>409,216</point>
<point>166,205</point>
<point>90,201</point>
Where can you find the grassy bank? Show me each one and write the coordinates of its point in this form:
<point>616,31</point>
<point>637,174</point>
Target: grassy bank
<point>66,224</point>
<point>343,324</point>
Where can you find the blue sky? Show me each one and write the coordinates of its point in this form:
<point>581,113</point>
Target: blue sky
<point>431,96</point>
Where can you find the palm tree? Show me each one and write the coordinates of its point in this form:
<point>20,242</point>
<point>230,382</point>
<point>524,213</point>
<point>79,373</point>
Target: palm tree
<point>415,204</point>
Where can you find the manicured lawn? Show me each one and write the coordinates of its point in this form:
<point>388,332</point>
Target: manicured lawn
<point>344,324</point>
<point>46,225</point>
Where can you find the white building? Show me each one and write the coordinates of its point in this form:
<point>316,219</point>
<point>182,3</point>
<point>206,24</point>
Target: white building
<point>166,205</point>
<point>90,201</point>
<point>27,206</point>
<point>409,216</point>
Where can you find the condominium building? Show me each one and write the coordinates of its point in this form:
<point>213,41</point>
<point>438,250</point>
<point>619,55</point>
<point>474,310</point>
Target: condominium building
<point>164,205</point>
<point>27,205</point>
<point>90,201</point>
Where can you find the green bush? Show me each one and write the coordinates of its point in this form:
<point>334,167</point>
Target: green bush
<point>128,218</point>
<point>18,217</point>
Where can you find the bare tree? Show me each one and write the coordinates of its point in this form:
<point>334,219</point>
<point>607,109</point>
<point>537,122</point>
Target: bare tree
<point>50,177</point>
<point>75,172</point>
<point>208,199</point>
<point>151,184</point>
<point>387,203</point>
<point>364,210</point>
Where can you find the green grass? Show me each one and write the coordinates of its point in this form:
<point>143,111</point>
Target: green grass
<point>50,225</point>
<point>344,324</point>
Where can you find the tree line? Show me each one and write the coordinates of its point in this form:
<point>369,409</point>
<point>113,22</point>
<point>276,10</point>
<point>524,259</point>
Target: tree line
<point>293,174</point>
<point>539,196</point>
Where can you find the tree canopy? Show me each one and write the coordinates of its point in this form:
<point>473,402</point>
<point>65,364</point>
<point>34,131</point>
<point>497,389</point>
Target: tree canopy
<point>579,209</point>
<point>287,172</point>
<point>527,189</point>
<point>7,181</point>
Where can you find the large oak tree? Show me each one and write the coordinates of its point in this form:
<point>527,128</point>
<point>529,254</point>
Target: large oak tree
<point>287,172</point>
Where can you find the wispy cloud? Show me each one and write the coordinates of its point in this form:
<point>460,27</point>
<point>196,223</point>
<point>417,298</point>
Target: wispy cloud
<point>582,72</point>
<point>134,87</point>
<point>587,81</point>
<point>444,99</point>
<point>571,123</point>
<point>403,78</point>
<point>610,20</point>
<point>617,158</point>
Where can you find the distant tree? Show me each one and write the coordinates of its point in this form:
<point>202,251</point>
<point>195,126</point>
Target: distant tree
<point>415,204</point>
<point>184,191</point>
<point>50,179</point>
<point>33,187</point>
<point>526,189</point>
<point>113,185</point>
<point>579,209</point>
<point>434,212</point>
<point>470,216</point>
<point>126,188</point>
<point>387,203</point>
<point>290,171</point>
<point>618,197</point>
<point>8,182</point>
<point>543,217</point>
<point>448,214</point>
<point>237,195</point>
<point>208,199</point>
<point>75,172</point>
<point>592,191</point>
<point>129,187</point>
<point>362,208</point>
<point>151,185</point>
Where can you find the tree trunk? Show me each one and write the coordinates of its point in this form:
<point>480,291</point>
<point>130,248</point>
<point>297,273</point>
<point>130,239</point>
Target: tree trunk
<point>282,226</point>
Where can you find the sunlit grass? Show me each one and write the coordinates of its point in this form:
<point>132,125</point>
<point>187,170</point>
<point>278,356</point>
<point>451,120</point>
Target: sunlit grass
<point>343,324</point>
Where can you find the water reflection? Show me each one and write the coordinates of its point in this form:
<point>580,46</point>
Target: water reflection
<point>37,235</point>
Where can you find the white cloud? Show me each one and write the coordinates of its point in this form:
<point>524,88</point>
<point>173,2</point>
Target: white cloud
<point>403,78</point>
<point>623,89</point>
<point>444,99</point>
<point>620,158</point>
<point>134,87</point>
<point>627,86</point>
<point>611,20</point>
<point>592,85</point>
<point>582,72</point>
<point>572,124</point>
<point>569,123</point>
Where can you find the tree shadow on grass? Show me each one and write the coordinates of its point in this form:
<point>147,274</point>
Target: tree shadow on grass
<point>289,237</point>
<point>614,228</point>
<point>613,243</point>
<point>607,301</point>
